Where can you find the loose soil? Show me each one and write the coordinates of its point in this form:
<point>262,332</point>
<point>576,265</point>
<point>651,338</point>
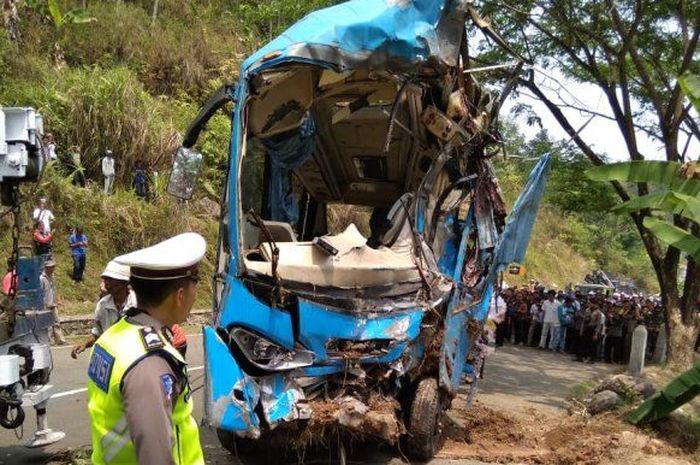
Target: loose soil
<point>483,433</point>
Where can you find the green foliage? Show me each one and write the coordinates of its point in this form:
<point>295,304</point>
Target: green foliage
<point>73,16</point>
<point>690,83</point>
<point>674,236</point>
<point>679,197</point>
<point>661,173</point>
<point>268,19</point>
<point>668,201</point>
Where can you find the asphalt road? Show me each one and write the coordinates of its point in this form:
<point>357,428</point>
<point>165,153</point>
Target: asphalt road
<point>67,412</point>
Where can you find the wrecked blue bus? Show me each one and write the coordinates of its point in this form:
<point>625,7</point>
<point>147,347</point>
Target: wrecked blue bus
<point>362,228</point>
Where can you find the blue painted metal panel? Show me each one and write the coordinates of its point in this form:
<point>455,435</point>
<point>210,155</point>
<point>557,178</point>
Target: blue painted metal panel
<point>234,211</point>
<point>323,370</point>
<point>241,308</point>
<point>29,293</point>
<point>318,325</point>
<point>378,31</point>
<point>481,310</point>
<point>231,394</point>
<point>455,341</point>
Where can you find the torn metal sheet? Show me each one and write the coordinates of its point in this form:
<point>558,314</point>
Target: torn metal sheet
<point>282,399</point>
<point>232,395</point>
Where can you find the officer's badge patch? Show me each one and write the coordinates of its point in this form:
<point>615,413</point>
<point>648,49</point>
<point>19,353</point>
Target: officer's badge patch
<point>167,381</point>
<point>151,339</point>
<point>100,369</point>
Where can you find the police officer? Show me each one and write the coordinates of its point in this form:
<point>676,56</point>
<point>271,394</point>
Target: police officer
<point>139,396</point>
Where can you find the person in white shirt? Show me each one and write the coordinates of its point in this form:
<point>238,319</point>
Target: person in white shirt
<point>551,320</point>
<point>108,172</point>
<point>49,148</point>
<point>110,307</point>
<point>42,214</point>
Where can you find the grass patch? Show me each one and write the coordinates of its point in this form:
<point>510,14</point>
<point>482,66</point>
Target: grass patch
<point>580,391</point>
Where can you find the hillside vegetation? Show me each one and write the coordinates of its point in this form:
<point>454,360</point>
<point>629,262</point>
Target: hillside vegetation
<point>120,78</point>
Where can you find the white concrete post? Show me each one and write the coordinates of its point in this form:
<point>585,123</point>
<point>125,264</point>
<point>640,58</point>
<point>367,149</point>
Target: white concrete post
<point>639,347</point>
<point>660,349</point>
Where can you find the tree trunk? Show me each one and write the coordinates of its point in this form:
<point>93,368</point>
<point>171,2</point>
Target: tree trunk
<point>681,339</point>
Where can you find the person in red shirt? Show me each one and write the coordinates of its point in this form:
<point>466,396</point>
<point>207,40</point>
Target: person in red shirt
<point>179,339</point>
<point>42,240</point>
<point>7,285</point>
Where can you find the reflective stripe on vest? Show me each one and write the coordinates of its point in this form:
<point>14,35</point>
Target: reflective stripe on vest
<point>114,353</point>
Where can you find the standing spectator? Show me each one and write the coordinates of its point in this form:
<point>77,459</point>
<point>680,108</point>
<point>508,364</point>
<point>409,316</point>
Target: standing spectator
<point>42,213</point>
<point>576,332</point>
<point>43,241</point>
<point>48,287</point>
<point>565,313</point>
<point>497,314</point>
<point>550,324</point>
<point>614,342</point>
<point>140,180</point>
<point>49,148</point>
<point>536,317</point>
<point>108,172</point>
<point>8,286</point>
<point>77,167</point>
<point>522,322</point>
<point>112,306</point>
<point>78,243</point>
<point>593,330</point>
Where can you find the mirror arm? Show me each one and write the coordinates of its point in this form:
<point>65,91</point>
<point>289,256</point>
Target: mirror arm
<point>216,101</point>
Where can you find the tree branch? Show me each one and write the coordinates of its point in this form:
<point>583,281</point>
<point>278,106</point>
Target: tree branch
<point>650,242</point>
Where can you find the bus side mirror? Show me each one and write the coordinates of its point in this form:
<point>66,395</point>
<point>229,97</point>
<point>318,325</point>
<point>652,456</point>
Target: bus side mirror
<point>183,177</point>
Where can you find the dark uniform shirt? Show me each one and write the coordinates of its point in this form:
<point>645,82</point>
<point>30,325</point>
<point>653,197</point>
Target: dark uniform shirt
<point>149,391</point>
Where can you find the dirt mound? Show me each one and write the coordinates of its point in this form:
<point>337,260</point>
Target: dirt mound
<point>491,436</point>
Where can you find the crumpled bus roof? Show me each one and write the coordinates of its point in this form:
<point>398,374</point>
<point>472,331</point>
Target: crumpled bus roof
<point>371,34</point>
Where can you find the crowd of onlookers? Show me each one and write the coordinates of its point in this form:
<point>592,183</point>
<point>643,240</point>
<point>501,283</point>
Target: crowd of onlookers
<point>72,164</point>
<point>593,327</point>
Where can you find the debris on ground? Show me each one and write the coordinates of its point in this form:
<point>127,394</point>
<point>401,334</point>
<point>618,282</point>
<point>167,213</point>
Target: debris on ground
<point>79,456</point>
<point>603,401</point>
<point>376,417</point>
<point>482,433</point>
<point>613,392</point>
<point>626,386</point>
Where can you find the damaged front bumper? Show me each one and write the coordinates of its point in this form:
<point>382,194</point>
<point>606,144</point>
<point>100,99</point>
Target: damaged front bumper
<point>352,355</point>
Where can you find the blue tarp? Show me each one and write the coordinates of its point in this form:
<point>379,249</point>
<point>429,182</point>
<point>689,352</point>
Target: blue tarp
<point>287,152</point>
<point>516,235</point>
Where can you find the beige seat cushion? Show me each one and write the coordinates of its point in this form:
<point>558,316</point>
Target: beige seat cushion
<point>356,264</point>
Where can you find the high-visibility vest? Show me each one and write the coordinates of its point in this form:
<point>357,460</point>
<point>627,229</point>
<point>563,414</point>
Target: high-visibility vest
<point>118,349</point>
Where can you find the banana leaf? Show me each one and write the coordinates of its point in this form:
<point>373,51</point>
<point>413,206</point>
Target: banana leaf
<point>662,173</point>
<point>674,236</point>
<point>668,201</point>
<point>690,84</point>
<point>681,390</point>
